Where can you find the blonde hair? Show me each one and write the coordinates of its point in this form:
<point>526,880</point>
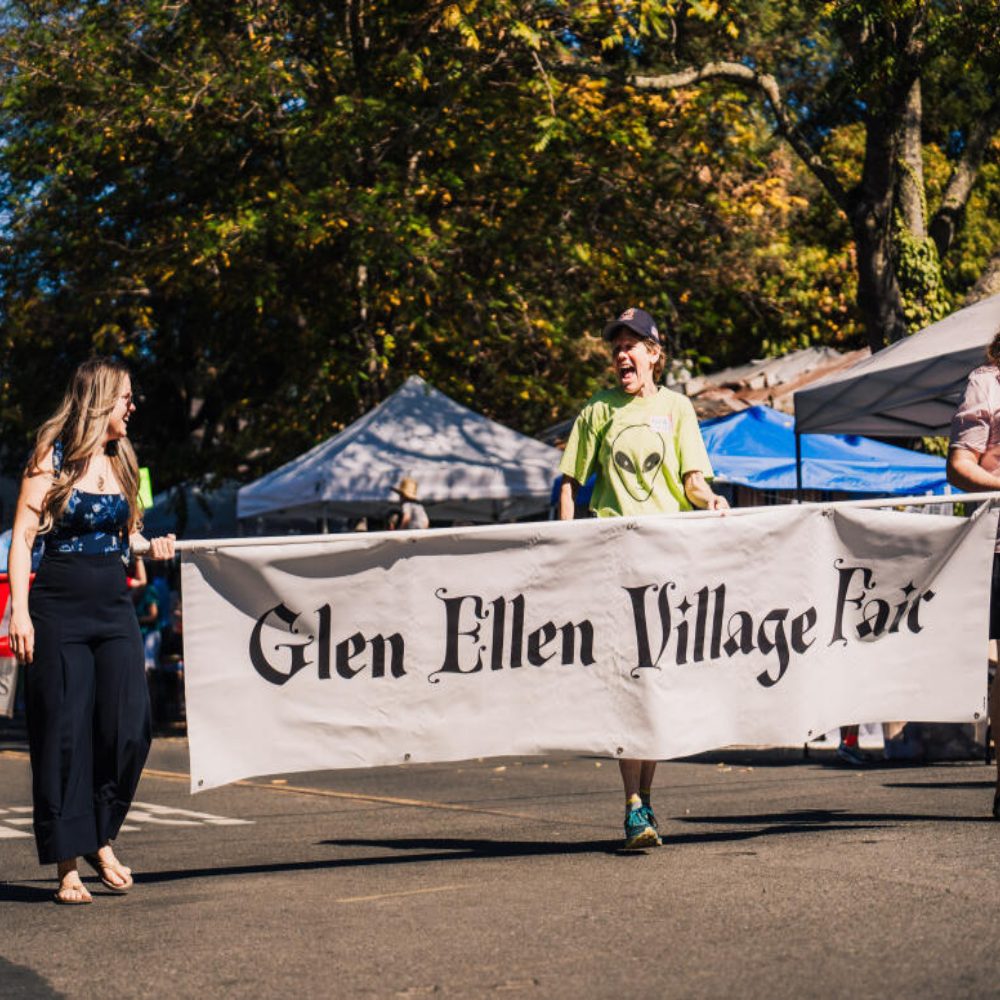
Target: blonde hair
<point>80,425</point>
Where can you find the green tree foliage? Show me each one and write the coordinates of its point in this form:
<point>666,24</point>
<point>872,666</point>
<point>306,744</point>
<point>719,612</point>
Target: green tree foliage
<point>276,211</point>
<point>917,78</point>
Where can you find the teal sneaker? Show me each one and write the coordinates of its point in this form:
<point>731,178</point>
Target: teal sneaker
<point>651,817</point>
<point>639,832</point>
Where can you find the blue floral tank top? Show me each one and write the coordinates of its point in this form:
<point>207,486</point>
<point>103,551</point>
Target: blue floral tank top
<point>92,523</point>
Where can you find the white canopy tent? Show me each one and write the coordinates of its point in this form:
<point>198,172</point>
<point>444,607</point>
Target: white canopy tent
<point>911,388</point>
<point>466,466</point>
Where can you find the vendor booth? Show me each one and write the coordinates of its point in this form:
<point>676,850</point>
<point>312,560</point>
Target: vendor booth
<point>910,389</point>
<point>466,466</point>
<point>756,448</point>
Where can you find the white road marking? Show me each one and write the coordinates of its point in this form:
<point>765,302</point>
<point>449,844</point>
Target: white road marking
<point>163,814</point>
<point>142,814</point>
<point>6,833</point>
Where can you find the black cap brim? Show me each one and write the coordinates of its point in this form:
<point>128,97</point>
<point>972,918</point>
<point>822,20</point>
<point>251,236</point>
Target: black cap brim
<point>623,324</point>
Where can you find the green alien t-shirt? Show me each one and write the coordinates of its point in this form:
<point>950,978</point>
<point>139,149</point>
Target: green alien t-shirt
<point>640,447</point>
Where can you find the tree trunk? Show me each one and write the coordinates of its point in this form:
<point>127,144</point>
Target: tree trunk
<point>367,344</point>
<point>879,298</point>
<point>911,175</point>
<point>871,205</point>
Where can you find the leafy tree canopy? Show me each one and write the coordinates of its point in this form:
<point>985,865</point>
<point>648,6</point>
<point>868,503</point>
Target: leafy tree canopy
<point>276,211</point>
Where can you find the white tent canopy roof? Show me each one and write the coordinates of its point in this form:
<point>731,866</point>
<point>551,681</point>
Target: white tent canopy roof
<point>465,465</point>
<point>909,389</point>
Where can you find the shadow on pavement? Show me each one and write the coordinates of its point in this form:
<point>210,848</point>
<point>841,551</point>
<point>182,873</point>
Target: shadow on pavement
<point>822,756</point>
<point>976,785</point>
<point>433,849</point>
<point>22,983</point>
<point>512,849</point>
<point>470,848</point>
<point>17,892</point>
<point>21,892</point>
<point>832,819</point>
<point>425,850</point>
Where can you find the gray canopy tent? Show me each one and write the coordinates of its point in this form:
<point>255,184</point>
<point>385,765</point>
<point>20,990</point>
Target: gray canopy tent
<point>910,389</point>
<point>467,466</point>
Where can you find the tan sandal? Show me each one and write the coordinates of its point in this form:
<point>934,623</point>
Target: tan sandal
<point>116,867</point>
<point>65,900</point>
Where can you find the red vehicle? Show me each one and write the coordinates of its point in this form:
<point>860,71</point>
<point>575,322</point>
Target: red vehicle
<point>5,649</point>
<point>5,616</point>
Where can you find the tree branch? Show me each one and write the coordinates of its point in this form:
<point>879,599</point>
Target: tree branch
<point>988,283</point>
<point>767,86</point>
<point>947,219</point>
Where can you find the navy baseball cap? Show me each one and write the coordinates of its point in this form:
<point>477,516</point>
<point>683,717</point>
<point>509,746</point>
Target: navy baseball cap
<point>636,321</point>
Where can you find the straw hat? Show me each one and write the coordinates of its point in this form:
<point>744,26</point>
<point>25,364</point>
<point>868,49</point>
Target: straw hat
<point>407,489</point>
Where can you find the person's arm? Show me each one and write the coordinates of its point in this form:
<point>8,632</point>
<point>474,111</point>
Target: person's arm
<point>694,461</point>
<point>34,487</point>
<point>404,517</point>
<point>568,489</point>
<point>138,578</point>
<point>970,433</point>
<point>701,495</point>
<point>150,615</point>
<point>965,472</point>
<point>580,456</point>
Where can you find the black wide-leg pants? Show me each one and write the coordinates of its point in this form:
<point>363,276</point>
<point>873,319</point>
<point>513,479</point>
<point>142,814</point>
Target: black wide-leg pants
<point>87,703</point>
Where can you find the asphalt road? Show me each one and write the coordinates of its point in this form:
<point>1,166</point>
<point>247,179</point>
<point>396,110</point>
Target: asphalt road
<point>779,877</point>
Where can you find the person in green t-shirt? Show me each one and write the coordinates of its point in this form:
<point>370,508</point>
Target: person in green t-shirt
<point>644,443</point>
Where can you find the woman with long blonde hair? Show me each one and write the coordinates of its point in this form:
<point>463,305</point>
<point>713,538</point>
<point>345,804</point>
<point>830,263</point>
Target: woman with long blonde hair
<point>76,632</point>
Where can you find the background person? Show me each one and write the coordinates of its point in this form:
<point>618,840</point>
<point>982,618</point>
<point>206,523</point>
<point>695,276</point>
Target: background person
<point>645,445</point>
<point>86,700</point>
<point>147,613</point>
<point>974,466</point>
<point>849,749</point>
<point>412,515</point>
<point>171,667</point>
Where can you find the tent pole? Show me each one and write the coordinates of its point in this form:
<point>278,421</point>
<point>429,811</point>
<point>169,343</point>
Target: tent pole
<point>798,467</point>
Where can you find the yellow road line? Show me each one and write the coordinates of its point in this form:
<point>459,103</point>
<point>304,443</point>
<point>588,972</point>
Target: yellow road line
<point>396,895</point>
<point>153,772</point>
<point>327,793</point>
<point>388,800</point>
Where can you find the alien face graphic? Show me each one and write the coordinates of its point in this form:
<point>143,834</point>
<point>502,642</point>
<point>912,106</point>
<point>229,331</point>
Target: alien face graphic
<point>638,454</point>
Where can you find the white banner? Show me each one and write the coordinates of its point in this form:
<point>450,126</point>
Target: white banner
<point>652,637</point>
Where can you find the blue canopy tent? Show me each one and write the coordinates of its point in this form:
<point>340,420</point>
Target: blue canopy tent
<point>756,448</point>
